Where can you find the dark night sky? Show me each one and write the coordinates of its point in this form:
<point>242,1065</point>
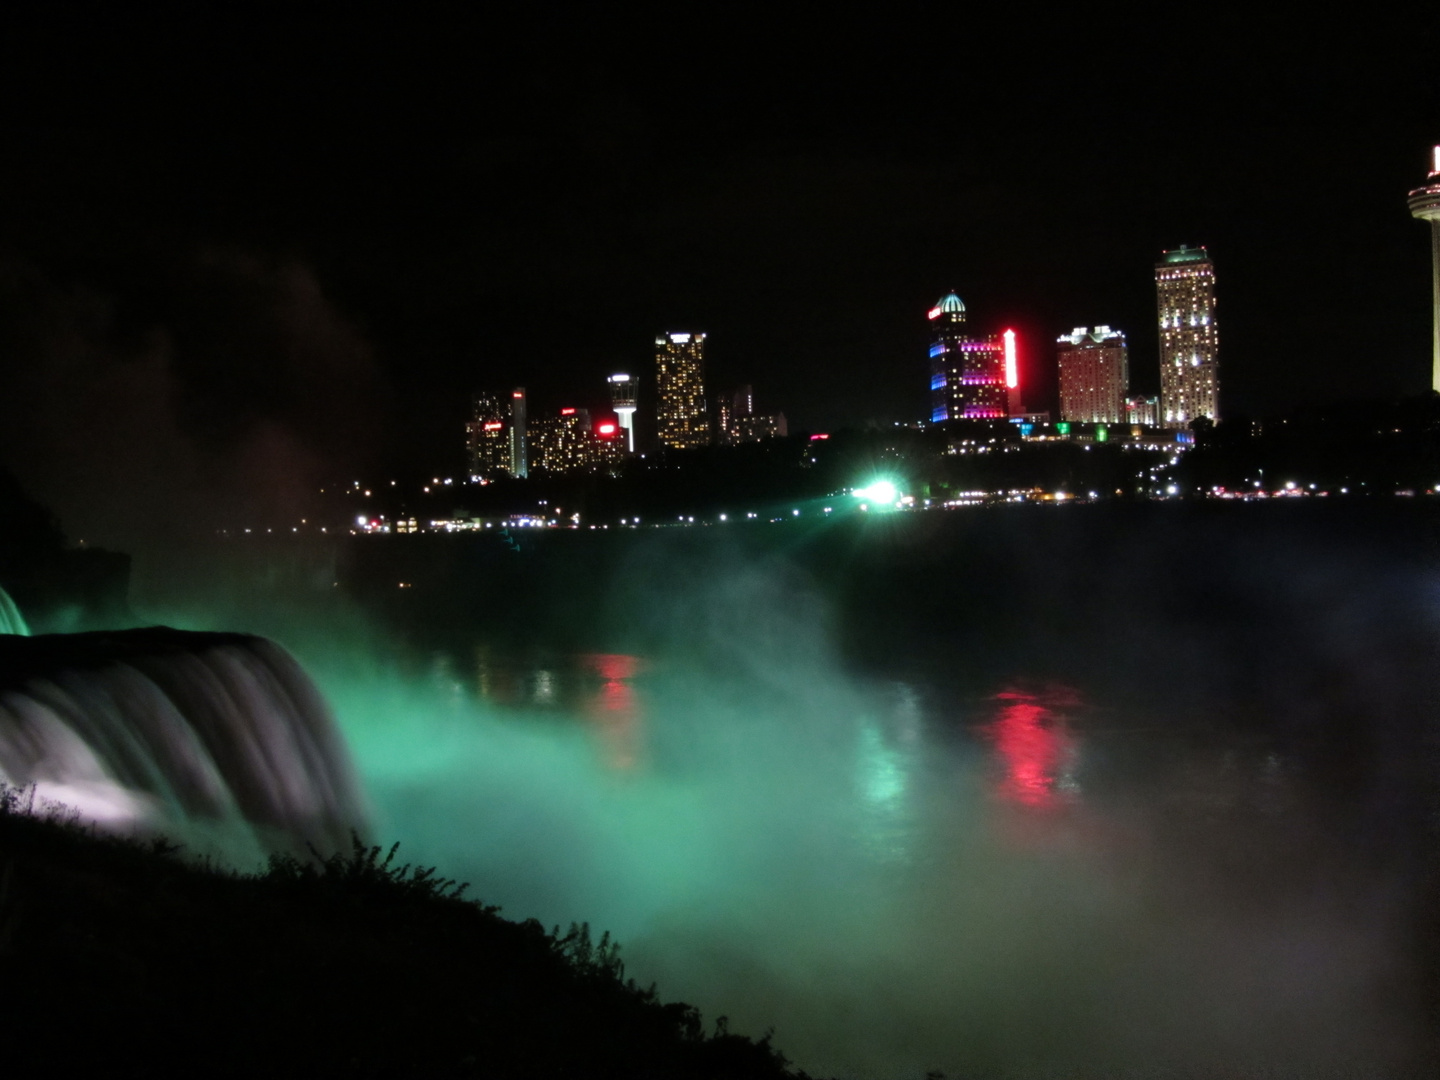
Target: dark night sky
<point>243,246</point>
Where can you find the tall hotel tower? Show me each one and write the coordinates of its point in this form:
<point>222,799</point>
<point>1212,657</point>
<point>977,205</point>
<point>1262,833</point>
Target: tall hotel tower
<point>1094,373</point>
<point>487,439</point>
<point>519,438</point>
<point>1425,205</point>
<point>680,388</point>
<point>967,374</point>
<point>1189,378</point>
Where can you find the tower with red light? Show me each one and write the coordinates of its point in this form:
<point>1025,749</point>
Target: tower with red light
<point>608,444</point>
<point>563,443</point>
<point>968,374</point>
<point>487,439</point>
<point>1425,205</point>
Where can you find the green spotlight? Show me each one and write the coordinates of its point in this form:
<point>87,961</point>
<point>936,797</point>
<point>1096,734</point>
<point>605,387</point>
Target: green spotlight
<point>880,492</point>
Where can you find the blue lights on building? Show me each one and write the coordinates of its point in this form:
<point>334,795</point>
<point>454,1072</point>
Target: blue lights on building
<point>937,348</point>
<point>939,414</point>
<point>937,381</point>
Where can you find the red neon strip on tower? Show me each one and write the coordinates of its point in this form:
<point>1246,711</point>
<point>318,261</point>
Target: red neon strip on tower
<point>1012,370</point>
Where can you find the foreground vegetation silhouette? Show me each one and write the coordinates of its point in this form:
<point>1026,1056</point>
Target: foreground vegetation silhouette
<point>124,958</point>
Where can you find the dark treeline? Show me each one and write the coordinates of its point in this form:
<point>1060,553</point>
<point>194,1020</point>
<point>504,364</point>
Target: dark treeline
<point>1366,447</point>
<point>125,960</point>
<point>45,575</point>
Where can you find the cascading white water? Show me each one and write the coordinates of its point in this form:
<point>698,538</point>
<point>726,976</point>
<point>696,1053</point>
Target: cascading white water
<point>11,621</point>
<point>215,735</point>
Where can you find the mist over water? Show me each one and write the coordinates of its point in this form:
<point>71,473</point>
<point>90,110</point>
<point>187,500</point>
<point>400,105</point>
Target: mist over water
<point>925,854</point>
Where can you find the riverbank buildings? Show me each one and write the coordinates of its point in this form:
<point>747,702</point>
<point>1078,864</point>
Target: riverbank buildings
<point>1094,375</point>
<point>1189,373</point>
<point>737,422</point>
<point>488,439</point>
<point>562,443</point>
<point>680,390</point>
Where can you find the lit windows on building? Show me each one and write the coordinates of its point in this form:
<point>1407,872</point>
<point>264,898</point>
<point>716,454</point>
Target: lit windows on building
<point>967,374</point>
<point>608,445</point>
<point>752,428</point>
<point>1189,375</point>
<point>1094,374</point>
<point>519,437</point>
<point>738,422</point>
<point>680,390</point>
<point>488,439</point>
<point>1143,410</point>
<point>563,443</point>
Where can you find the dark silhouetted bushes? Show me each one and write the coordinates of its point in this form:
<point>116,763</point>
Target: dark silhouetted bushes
<point>122,959</point>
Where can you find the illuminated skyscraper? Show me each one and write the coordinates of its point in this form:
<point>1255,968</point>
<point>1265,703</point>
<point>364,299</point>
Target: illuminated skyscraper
<point>607,445</point>
<point>1425,205</point>
<point>563,443</point>
<point>1189,376</point>
<point>680,387</point>
<point>967,374</point>
<point>519,445</point>
<point>487,439</point>
<point>624,396</point>
<point>1094,373</point>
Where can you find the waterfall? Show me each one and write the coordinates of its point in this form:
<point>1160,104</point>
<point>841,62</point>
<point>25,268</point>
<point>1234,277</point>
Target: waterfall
<point>216,735</point>
<point>11,621</point>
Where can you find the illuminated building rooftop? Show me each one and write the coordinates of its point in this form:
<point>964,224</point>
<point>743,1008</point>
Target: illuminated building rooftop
<point>1099,334</point>
<point>1184,254</point>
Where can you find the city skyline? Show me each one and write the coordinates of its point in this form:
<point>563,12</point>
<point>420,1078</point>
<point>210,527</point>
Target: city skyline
<point>221,288</point>
<point>971,377</point>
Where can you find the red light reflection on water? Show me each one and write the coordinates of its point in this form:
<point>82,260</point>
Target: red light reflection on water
<point>1034,748</point>
<point>615,707</point>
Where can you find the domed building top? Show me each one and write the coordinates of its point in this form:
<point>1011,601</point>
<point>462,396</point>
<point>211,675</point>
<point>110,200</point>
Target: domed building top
<point>949,304</point>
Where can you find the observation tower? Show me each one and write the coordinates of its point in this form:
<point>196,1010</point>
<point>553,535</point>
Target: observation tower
<point>1425,205</point>
<point>623,396</point>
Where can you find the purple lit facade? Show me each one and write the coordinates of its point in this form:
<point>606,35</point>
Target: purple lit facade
<point>967,374</point>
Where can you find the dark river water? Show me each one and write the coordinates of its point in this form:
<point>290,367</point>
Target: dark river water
<point>1139,792</point>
